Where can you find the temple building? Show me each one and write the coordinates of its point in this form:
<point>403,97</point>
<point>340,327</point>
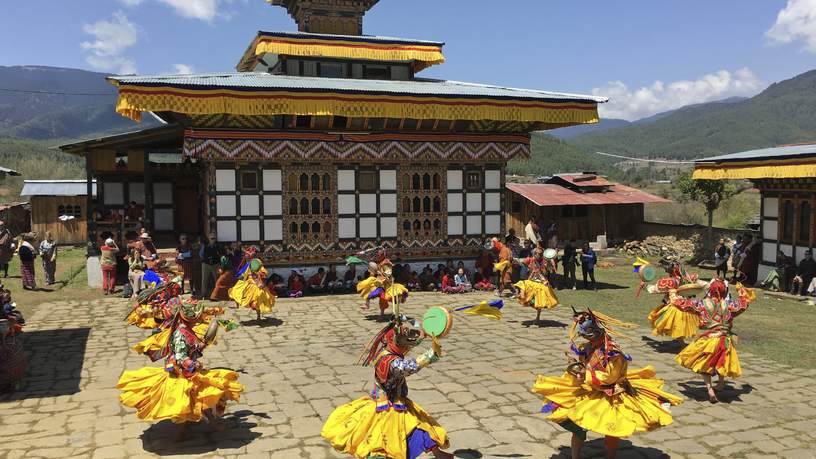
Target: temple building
<point>786,179</point>
<point>321,141</point>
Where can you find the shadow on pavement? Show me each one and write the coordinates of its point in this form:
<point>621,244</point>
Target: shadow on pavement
<point>543,323</point>
<point>467,454</point>
<point>595,448</point>
<point>263,323</point>
<point>664,346</point>
<point>55,360</point>
<point>159,437</point>
<point>696,390</point>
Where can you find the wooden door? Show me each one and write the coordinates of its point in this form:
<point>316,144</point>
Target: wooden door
<point>188,206</point>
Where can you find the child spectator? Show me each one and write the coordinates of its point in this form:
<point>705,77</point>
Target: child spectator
<point>296,285</point>
<point>461,281</point>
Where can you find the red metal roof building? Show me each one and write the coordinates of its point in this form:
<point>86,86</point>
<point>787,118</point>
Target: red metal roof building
<point>584,206</point>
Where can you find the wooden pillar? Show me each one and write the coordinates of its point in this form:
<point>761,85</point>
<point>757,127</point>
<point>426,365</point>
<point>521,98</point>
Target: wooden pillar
<point>148,190</point>
<point>91,249</point>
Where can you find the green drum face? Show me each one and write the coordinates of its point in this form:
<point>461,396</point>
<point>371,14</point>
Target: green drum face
<point>648,273</point>
<point>437,322</point>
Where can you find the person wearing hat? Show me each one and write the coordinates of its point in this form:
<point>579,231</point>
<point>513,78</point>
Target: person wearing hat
<point>27,255</point>
<point>6,248</point>
<point>108,262</point>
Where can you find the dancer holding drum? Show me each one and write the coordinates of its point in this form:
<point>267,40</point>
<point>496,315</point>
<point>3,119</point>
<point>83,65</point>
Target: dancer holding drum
<point>386,423</point>
<point>667,319</point>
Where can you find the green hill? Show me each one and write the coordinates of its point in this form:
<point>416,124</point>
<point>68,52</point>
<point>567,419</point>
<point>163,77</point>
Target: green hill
<point>783,113</point>
<point>550,156</point>
<point>34,160</point>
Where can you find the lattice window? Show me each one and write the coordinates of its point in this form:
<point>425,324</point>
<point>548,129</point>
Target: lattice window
<point>422,211</point>
<point>310,194</point>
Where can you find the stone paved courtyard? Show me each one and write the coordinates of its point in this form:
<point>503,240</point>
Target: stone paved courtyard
<point>300,365</point>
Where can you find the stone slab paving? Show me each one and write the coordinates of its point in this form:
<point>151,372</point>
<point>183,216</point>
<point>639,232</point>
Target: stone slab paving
<point>299,366</point>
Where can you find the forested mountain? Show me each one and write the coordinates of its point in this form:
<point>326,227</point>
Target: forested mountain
<point>784,113</point>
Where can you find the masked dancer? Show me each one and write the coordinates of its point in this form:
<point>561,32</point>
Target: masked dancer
<point>667,319</point>
<point>598,392</point>
<point>715,349</point>
<point>251,290</point>
<point>183,391</point>
<point>380,283</point>
<point>386,423</point>
<point>536,292</point>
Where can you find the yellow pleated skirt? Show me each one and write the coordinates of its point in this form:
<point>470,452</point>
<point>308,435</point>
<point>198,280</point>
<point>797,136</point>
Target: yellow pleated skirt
<point>536,295</point>
<point>156,394</point>
<point>143,316</point>
<point>357,429</point>
<point>396,290</point>
<point>710,355</point>
<point>668,320</point>
<point>159,340</point>
<point>618,415</point>
<point>248,295</point>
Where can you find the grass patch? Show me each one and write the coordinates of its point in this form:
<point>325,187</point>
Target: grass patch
<point>765,329</point>
<point>72,283</point>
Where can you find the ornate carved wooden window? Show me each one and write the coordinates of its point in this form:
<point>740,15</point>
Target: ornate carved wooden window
<point>422,204</point>
<point>310,193</point>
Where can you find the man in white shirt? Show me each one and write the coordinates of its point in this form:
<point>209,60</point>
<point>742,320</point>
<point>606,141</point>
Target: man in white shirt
<point>531,232</point>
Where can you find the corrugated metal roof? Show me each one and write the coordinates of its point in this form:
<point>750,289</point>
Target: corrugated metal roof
<point>581,180</point>
<point>56,188</point>
<point>785,151</point>
<point>361,38</point>
<point>545,195</point>
<point>262,80</point>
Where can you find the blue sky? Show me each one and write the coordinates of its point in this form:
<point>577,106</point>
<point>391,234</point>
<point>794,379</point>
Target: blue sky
<point>648,55</point>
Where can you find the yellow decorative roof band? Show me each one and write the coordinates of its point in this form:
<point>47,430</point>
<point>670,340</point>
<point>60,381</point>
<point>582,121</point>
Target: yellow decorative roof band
<point>771,169</point>
<point>422,56</point>
<point>134,99</point>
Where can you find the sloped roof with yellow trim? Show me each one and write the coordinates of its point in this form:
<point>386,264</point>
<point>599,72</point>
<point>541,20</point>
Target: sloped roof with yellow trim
<point>787,161</point>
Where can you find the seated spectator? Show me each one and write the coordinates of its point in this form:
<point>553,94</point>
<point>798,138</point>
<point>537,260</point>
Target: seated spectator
<point>350,279</point>
<point>333,283</point>
<point>805,273</point>
<point>461,265</point>
<point>296,285</point>
<point>461,281</point>
<point>317,283</point>
<point>427,279</point>
<point>277,284</point>
<point>413,283</point>
<point>484,285</point>
<point>447,284</point>
<point>439,274</point>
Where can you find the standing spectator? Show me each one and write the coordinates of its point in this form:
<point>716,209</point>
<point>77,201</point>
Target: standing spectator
<point>210,255</point>
<point>569,260</point>
<point>552,234</point>
<point>750,262</point>
<point>108,262</point>
<point>48,253</point>
<point>134,212</point>
<point>6,248</point>
<point>333,283</point>
<point>136,268</point>
<point>184,258</point>
<point>317,283</point>
<point>27,256</point>
<point>531,232</point>
<point>737,252</point>
<point>721,255</point>
<point>588,261</point>
<point>804,274</point>
<point>510,238</point>
<point>350,279</point>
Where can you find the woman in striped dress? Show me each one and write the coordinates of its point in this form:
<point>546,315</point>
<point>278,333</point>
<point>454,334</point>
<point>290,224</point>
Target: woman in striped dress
<point>27,256</point>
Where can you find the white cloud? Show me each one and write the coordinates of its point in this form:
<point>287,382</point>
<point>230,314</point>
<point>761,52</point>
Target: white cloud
<point>111,39</point>
<point>633,104</point>
<point>183,69</point>
<point>131,3</point>
<point>196,9</point>
<point>797,21</point>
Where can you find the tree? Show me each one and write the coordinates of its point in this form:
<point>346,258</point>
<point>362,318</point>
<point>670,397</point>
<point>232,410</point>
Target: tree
<point>711,193</point>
